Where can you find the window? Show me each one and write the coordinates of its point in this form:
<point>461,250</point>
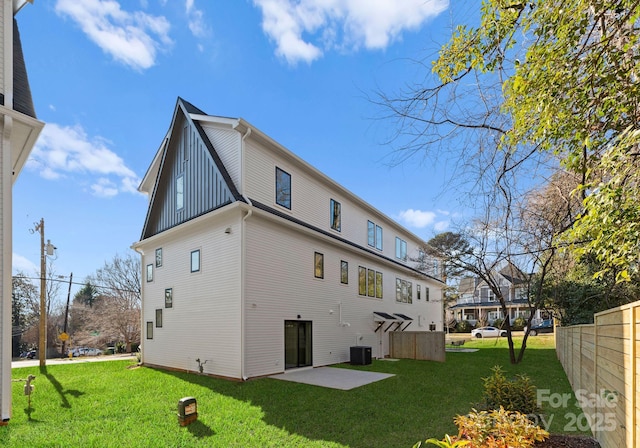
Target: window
<point>374,235</point>
<point>159,318</point>
<point>369,282</point>
<point>426,293</point>
<point>168,298</point>
<point>404,291</point>
<point>159,257</point>
<point>401,249</point>
<point>195,260</point>
<point>318,265</point>
<point>362,281</point>
<point>335,215</point>
<point>418,292</point>
<point>149,330</point>
<point>149,272</point>
<point>344,272</point>
<point>283,188</point>
<point>179,192</point>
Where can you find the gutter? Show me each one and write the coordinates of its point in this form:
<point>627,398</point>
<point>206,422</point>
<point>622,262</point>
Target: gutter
<point>243,250</point>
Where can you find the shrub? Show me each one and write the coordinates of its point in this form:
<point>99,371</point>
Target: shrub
<point>518,394</point>
<point>519,323</point>
<point>498,323</point>
<point>498,428</point>
<point>463,327</point>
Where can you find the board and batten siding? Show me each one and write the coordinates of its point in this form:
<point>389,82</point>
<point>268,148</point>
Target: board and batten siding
<point>227,144</point>
<point>204,322</point>
<point>280,285</point>
<point>310,202</point>
<point>204,186</point>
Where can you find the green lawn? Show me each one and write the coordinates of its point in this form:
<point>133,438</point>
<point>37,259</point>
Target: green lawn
<point>110,404</point>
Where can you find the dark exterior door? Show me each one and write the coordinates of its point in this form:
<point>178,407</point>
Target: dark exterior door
<point>297,344</point>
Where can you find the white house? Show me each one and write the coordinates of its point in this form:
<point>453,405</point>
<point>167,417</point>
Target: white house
<point>255,262</point>
<point>19,130</point>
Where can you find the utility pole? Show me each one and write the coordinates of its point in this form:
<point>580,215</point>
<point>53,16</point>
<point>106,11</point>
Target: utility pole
<point>66,318</point>
<point>42,343</point>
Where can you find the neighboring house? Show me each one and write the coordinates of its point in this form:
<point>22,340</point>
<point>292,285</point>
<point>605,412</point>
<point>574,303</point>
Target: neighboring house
<point>255,262</point>
<point>19,129</point>
<point>477,302</point>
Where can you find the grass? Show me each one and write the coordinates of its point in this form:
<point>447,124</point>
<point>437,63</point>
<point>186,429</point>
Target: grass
<point>110,404</point>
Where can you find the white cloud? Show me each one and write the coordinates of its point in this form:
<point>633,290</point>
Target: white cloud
<point>132,38</point>
<point>441,226</point>
<point>24,265</point>
<point>417,218</point>
<point>195,17</point>
<point>373,24</point>
<point>63,150</point>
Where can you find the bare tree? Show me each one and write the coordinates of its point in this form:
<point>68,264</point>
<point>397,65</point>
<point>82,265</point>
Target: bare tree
<point>117,309</point>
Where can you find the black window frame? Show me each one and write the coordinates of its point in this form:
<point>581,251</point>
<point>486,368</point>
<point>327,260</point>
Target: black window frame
<point>195,251</point>
<point>318,265</point>
<point>283,198</point>
<point>335,215</point>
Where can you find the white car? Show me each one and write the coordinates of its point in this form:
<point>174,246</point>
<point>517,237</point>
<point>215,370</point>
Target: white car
<point>488,332</point>
<point>92,352</point>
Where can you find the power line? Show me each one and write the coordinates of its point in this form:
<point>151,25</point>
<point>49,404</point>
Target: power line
<point>78,283</point>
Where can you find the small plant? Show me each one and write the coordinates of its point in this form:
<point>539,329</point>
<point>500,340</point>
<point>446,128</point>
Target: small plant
<point>519,323</point>
<point>499,428</point>
<point>447,442</point>
<point>518,394</point>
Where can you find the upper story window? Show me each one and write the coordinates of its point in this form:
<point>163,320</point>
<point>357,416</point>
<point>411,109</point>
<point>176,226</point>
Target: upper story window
<point>283,188</point>
<point>318,265</point>
<point>418,292</point>
<point>401,249</point>
<point>179,192</point>
<point>149,272</point>
<point>195,260</point>
<point>335,215</point>
<point>374,235</point>
<point>159,257</point>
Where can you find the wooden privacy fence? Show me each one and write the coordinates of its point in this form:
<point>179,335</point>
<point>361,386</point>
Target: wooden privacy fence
<point>424,345</point>
<point>601,363</point>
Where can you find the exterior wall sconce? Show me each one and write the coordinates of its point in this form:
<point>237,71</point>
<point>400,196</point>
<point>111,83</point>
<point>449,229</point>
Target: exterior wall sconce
<point>227,230</point>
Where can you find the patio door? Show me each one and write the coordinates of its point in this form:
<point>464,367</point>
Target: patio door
<point>297,344</point>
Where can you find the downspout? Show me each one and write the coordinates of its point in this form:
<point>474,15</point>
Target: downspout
<point>243,250</point>
<point>143,327</point>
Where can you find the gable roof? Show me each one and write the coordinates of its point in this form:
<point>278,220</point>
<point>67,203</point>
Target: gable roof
<point>204,176</point>
<point>22,99</point>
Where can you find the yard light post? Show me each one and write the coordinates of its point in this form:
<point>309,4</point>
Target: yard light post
<point>42,342</point>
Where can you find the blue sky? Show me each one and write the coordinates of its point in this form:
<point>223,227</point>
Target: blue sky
<point>105,76</point>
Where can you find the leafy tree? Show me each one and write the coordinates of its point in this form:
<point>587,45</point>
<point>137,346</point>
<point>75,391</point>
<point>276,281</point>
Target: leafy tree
<point>87,295</point>
<point>569,78</point>
<point>24,292</point>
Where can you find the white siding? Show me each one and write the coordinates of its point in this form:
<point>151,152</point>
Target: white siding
<point>204,321</point>
<point>280,285</point>
<point>3,37</point>
<point>227,144</point>
<point>310,201</point>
